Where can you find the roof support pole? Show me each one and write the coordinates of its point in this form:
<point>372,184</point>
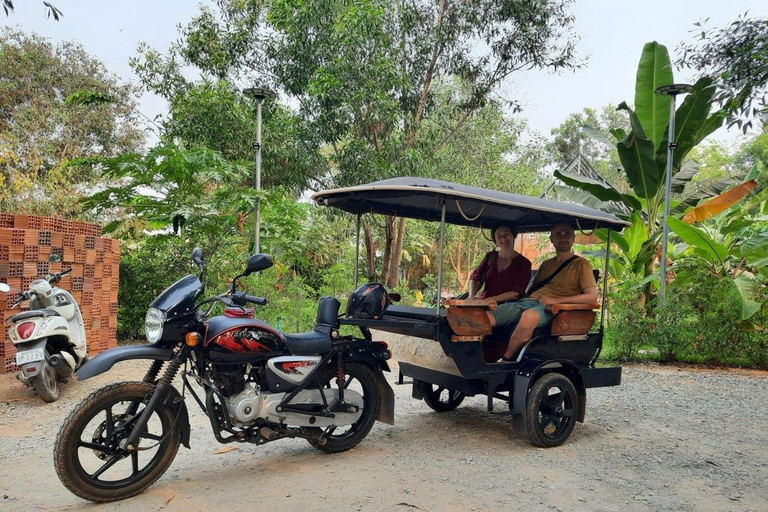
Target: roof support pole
<point>357,249</point>
<point>605,281</point>
<point>440,256</point>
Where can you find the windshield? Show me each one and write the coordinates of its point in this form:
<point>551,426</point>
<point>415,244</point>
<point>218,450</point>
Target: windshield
<point>180,297</point>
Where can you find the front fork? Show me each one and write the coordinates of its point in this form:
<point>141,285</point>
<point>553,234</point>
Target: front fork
<point>161,392</point>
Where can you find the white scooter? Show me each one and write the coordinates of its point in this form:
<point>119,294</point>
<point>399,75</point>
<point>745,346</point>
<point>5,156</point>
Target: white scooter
<point>49,338</point>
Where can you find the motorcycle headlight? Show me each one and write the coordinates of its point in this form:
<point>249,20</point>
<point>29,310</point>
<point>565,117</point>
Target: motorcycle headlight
<point>153,324</point>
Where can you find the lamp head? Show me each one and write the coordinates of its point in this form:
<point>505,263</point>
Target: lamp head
<point>674,89</point>
<point>258,93</point>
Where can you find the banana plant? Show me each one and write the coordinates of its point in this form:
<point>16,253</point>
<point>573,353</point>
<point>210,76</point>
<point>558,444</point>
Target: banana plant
<point>731,242</point>
<point>643,151</point>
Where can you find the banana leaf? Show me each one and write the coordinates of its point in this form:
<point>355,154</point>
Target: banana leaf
<point>698,238</point>
<point>597,135</point>
<point>654,70</point>
<point>598,189</point>
<point>692,120</point>
<point>637,156</point>
<point>681,178</point>
<point>583,197</point>
<point>705,193</point>
<point>747,289</point>
<point>755,246</point>
<point>719,203</point>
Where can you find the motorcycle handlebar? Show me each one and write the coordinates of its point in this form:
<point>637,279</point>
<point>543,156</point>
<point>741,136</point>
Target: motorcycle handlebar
<point>241,299</point>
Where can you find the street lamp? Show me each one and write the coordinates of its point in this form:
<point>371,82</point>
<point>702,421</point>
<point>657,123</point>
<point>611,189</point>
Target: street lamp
<point>672,90</point>
<point>259,94</point>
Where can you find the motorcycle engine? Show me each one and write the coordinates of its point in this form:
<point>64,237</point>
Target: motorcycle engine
<point>244,407</point>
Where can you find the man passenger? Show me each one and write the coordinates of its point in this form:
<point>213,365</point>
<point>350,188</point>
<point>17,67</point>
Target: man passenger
<point>575,284</point>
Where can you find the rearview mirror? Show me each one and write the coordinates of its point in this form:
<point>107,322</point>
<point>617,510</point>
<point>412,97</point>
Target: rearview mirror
<point>54,257</point>
<point>197,255</point>
<point>256,263</point>
<point>4,288</point>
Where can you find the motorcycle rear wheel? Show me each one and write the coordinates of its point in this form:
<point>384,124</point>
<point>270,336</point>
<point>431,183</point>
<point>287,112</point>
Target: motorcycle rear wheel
<point>46,383</point>
<point>87,456</point>
<point>339,439</point>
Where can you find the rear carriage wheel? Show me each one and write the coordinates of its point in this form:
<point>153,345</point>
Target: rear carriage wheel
<point>551,410</point>
<point>442,399</point>
<point>87,453</point>
<point>359,378</point>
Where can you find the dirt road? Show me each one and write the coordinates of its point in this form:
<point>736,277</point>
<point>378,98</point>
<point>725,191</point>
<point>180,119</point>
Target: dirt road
<point>667,439</point>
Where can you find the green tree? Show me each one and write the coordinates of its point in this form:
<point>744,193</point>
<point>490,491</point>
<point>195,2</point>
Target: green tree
<point>577,135</point>
<point>736,58</point>
<point>56,103</point>
<point>363,74</point>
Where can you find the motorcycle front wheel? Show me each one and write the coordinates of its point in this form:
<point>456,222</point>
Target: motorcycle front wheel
<point>360,378</point>
<point>87,455</point>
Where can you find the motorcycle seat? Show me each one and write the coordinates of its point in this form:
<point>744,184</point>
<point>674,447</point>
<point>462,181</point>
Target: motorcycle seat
<point>308,343</point>
<point>35,313</point>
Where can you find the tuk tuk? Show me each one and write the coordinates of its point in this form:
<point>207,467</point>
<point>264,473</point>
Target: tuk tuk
<point>545,388</point>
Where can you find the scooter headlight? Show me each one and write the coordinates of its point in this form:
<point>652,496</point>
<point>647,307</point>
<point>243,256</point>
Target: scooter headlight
<point>153,324</point>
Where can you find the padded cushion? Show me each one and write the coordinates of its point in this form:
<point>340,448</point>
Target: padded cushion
<point>308,343</point>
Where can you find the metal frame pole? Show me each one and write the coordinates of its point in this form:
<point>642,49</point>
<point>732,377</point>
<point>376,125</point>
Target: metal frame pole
<point>672,91</point>
<point>605,281</point>
<point>440,257</point>
<point>257,227</point>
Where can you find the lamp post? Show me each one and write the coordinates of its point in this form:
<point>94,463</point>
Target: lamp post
<point>259,94</point>
<point>672,90</point>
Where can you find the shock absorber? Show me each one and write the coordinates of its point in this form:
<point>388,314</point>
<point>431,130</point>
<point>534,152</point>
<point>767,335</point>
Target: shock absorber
<point>154,369</point>
<point>158,396</point>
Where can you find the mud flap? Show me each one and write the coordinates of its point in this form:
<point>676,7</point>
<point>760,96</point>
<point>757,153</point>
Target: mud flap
<point>387,408</point>
<point>175,402</point>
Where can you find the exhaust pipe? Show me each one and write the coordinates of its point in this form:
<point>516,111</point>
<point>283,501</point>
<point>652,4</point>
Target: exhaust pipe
<point>64,364</point>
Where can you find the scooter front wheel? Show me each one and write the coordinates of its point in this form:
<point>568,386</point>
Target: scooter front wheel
<point>87,453</point>
<point>46,383</point>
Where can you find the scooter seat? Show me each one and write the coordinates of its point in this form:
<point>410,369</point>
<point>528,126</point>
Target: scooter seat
<point>308,343</point>
<point>35,313</point>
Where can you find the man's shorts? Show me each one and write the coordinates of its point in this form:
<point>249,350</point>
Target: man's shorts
<point>510,312</point>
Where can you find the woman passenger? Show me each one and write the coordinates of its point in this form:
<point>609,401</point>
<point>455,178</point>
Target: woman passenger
<point>505,273</point>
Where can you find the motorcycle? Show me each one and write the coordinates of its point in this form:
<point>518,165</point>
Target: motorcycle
<point>257,384</point>
<point>50,337</point>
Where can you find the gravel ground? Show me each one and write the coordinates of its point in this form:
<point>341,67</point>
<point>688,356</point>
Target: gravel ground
<point>667,439</point>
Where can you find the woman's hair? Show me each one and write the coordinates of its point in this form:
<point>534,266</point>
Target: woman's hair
<point>512,228</point>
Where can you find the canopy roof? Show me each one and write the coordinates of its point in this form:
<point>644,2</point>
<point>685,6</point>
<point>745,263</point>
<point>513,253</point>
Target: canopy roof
<point>422,198</point>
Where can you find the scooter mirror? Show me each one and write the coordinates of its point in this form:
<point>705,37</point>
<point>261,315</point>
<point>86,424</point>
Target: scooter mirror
<point>256,263</point>
<point>4,288</point>
<point>54,257</point>
<point>197,255</point>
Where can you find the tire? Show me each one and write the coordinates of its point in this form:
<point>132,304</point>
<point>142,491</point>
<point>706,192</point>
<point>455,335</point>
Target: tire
<point>441,399</point>
<point>76,450</point>
<point>46,383</point>
<point>362,379</point>
<point>551,410</point>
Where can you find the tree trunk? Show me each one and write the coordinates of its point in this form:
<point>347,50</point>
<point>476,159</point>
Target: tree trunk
<point>397,255</point>
<point>389,238</point>
<point>370,261</point>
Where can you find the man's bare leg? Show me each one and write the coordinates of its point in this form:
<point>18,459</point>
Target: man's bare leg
<point>522,333</point>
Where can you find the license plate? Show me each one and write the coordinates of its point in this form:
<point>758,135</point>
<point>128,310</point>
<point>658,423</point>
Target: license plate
<point>30,356</point>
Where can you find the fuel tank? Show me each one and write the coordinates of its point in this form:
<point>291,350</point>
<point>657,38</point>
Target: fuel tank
<point>234,340</point>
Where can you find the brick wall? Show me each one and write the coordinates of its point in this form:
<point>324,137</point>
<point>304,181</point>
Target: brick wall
<point>25,243</point>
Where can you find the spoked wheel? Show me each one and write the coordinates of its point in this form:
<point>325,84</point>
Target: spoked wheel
<point>359,378</point>
<point>46,383</point>
<point>87,455</point>
<point>442,399</point>
<point>551,410</point>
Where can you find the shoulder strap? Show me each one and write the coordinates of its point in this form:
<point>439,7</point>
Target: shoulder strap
<point>544,282</point>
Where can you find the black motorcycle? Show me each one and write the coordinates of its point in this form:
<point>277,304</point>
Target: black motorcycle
<point>258,385</point>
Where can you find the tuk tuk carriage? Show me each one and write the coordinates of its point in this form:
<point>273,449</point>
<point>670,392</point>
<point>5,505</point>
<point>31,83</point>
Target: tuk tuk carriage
<point>545,388</point>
